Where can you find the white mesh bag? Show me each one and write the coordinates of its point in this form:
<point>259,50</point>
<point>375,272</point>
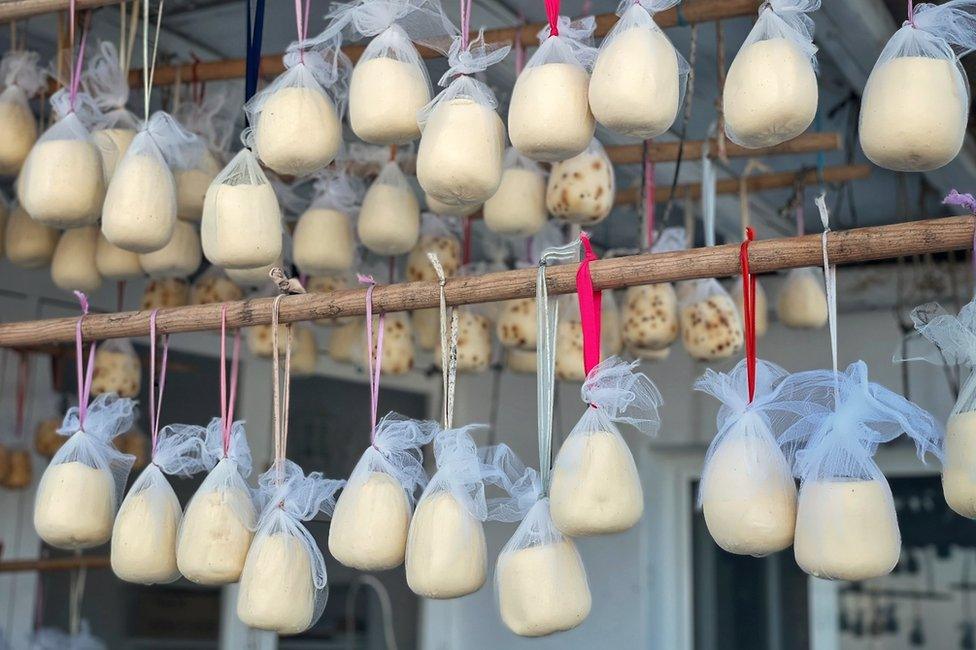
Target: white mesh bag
<point>284,586</point>
<point>81,487</point>
<point>21,77</point>
<point>770,93</point>
<point>915,105</point>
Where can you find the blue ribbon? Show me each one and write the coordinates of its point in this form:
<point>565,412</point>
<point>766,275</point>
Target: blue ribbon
<point>255,33</point>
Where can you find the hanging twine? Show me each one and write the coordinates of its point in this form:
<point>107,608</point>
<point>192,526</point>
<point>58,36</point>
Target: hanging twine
<point>448,344</point>
<point>548,319</point>
<point>156,405</point>
<point>84,376</point>
<point>227,401</point>
<point>719,101</point>
<point>830,286</point>
<point>374,358</point>
<point>281,390</point>
<point>149,65</point>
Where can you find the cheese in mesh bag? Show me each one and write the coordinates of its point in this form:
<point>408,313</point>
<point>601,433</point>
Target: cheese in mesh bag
<point>639,78</point>
<point>241,224</point>
<point>107,84</point>
<point>711,327</point>
<point>581,189</point>
<point>846,527</point>
<point>955,338</point>
<point>595,486</point>
<point>650,312</point>
<point>323,241</point>
<point>389,83</point>
<point>117,369</point>
<point>540,581</point>
<point>61,183</point>
<point>284,586</point>
<point>81,487</point>
<point>915,105</point>
<point>549,116</point>
<point>518,206</point>
<point>22,77</point>
<point>217,527</point>
<point>296,119</point>
<point>446,554</point>
<point>459,160</point>
<point>770,92</point>
<point>389,219</point>
<point>372,517</point>
<point>747,493</point>
<point>144,535</point>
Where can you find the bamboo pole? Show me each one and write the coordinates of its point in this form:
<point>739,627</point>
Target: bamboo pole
<point>20,9</point>
<point>687,13</point>
<point>845,247</point>
<point>660,152</point>
<point>756,183</point>
<point>56,564</point>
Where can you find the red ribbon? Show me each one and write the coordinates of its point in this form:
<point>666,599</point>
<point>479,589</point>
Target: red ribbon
<point>590,302</point>
<point>552,14</point>
<point>749,306</point>
<point>466,253</point>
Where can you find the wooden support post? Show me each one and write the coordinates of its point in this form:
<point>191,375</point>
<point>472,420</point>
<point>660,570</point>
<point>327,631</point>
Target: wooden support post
<point>845,247</point>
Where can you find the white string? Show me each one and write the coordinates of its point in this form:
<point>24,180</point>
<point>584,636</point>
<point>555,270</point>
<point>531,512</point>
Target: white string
<point>147,63</point>
<point>548,319</point>
<point>830,284</point>
<point>708,193</point>
<point>448,348</point>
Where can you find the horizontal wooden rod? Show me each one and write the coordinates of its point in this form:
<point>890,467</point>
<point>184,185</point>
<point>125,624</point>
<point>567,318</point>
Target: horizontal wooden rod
<point>661,152</point>
<point>845,247</point>
<point>56,564</point>
<point>687,13</point>
<point>20,9</point>
<point>756,183</point>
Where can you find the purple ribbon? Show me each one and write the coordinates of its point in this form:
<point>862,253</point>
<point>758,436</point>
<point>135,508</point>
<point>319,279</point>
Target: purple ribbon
<point>84,378</point>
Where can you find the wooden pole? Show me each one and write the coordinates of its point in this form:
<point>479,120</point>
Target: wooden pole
<point>20,9</point>
<point>56,564</point>
<point>757,183</point>
<point>630,154</point>
<point>845,247</point>
<point>687,13</point>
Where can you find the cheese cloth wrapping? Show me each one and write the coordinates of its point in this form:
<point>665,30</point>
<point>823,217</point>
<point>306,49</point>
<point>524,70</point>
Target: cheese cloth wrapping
<point>241,226</point>
<point>218,523</point>
<point>846,527</point>
<point>389,218</point>
<point>296,118</point>
<point>770,93</point>
<point>105,80</point>
<point>62,184</point>
<point>595,486</point>
<point>323,240</point>
<point>915,104</point>
<point>518,207</point>
<point>446,553</point>
<point>549,116</point>
<point>639,78</point>
<point>284,585</point>
<point>955,338</point>
<point>140,209</point>
<point>389,83</point>
<point>747,491</point>
<point>144,536</point>
<point>22,77</point>
<point>81,487</point>
<point>459,160</point>
<point>649,316</point>
<point>711,327</point>
<point>372,516</point>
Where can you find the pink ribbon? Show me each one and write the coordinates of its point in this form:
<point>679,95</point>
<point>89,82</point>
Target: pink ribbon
<point>301,22</point>
<point>374,373</point>
<point>227,402</point>
<point>84,377</point>
<point>590,303</point>
<point>911,13</point>
<point>75,69</point>
<point>465,22</point>
<point>156,406</point>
